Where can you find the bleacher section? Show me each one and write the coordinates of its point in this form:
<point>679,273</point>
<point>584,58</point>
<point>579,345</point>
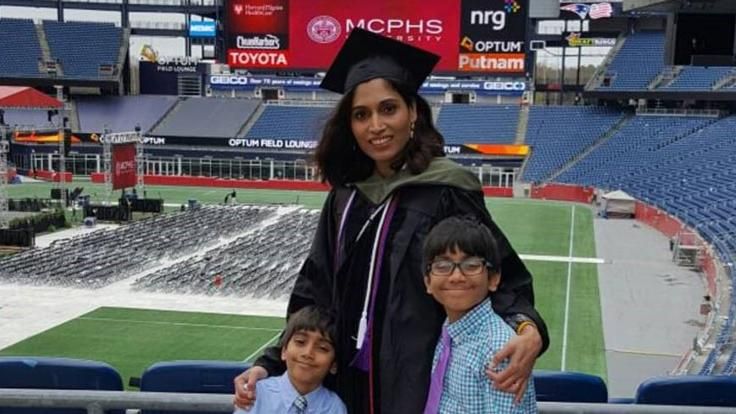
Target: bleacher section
<point>207,117</point>
<point>637,63</point>
<point>289,122</point>
<point>687,167</point>
<point>81,47</point>
<point>122,113</point>
<point>478,124</point>
<point>698,78</point>
<point>558,133</point>
<point>21,50</point>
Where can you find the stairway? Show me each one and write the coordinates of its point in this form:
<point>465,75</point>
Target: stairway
<point>602,140</point>
<point>522,125</point>
<point>46,53</point>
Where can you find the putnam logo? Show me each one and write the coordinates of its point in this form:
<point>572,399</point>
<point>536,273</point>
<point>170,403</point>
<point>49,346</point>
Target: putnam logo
<point>491,62</point>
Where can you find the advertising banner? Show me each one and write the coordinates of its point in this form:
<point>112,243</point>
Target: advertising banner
<point>124,167</point>
<point>161,77</point>
<point>493,34</point>
<point>203,29</point>
<point>483,36</point>
<point>246,82</point>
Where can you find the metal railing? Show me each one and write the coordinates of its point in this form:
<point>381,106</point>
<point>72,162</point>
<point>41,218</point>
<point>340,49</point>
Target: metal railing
<point>713,113</point>
<point>96,402</point>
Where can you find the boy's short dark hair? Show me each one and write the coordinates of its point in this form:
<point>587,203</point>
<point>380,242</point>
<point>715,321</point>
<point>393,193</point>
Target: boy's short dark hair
<point>465,233</point>
<point>310,318</point>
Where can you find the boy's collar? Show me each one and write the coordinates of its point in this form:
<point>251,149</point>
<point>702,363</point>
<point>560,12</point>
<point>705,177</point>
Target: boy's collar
<point>289,392</point>
<point>469,321</point>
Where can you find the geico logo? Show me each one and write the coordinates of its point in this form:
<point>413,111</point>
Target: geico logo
<point>504,86</point>
<point>497,46</point>
<point>124,167</point>
<point>486,17</point>
<point>228,80</point>
<point>490,63</point>
<point>258,58</point>
<point>396,26</point>
<point>268,41</point>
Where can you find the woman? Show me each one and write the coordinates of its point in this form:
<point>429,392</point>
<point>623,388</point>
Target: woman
<point>391,183</point>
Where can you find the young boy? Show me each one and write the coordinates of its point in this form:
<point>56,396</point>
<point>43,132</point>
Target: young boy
<point>462,267</point>
<point>308,351</point>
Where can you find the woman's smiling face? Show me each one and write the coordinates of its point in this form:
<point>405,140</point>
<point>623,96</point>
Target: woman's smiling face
<point>381,123</point>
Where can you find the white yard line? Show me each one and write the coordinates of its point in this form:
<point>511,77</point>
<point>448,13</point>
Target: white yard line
<point>201,325</point>
<point>259,350</point>
<point>562,259</point>
<point>567,292</point>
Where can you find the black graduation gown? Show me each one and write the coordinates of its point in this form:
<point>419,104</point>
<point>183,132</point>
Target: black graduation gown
<point>407,320</point>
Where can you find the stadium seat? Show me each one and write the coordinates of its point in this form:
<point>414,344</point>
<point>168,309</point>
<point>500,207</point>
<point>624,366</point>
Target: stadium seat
<point>701,390</point>
<point>56,373</point>
<point>558,386</point>
<point>208,377</point>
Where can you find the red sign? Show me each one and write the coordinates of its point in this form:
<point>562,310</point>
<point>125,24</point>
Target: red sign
<point>317,29</point>
<point>124,167</point>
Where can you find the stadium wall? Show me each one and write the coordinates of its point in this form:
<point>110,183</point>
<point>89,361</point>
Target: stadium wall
<point>671,227</point>
<point>563,192</point>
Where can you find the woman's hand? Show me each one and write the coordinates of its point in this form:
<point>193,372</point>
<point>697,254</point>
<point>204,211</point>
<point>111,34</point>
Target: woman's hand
<point>522,352</point>
<point>245,386</point>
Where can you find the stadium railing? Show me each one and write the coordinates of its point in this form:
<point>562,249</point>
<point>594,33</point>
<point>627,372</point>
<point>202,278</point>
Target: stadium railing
<point>96,402</point>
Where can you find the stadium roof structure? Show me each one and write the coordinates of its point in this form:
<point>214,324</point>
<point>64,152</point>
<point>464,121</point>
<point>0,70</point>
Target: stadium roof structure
<point>24,97</point>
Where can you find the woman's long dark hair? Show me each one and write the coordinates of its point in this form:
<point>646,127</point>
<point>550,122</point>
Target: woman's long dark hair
<point>340,160</point>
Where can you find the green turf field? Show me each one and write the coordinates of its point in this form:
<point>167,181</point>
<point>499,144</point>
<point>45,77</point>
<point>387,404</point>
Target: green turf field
<point>566,295</point>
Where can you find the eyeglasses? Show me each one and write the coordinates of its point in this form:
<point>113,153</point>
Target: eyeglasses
<point>472,266</point>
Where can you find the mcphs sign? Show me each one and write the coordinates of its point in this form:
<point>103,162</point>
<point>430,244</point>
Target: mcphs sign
<point>480,36</point>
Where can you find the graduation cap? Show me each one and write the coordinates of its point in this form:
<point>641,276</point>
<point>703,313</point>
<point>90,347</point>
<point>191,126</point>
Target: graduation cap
<point>366,55</point>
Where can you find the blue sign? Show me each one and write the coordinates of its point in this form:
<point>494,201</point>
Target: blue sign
<point>246,82</point>
<point>202,29</point>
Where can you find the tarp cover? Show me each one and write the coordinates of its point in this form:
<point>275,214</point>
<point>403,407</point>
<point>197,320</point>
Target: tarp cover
<point>618,203</point>
<point>24,97</point>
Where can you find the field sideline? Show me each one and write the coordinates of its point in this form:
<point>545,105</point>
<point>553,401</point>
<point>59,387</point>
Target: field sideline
<point>566,294</point>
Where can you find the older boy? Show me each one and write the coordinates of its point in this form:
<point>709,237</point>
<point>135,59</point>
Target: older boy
<point>462,268</point>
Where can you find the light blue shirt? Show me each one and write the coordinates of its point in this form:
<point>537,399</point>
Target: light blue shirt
<point>277,395</point>
<point>476,337</point>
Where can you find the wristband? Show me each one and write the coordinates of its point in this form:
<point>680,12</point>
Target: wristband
<point>520,328</point>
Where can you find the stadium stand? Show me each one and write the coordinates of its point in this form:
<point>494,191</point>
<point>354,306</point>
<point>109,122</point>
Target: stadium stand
<point>289,122</point>
<point>569,387</point>
<point>558,133</point>
<point>21,50</point>
<point>698,78</point>
<point>637,63</point>
<point>82,47</point>
<point>119,114</point>
<point>204,377</point>
<point>206,117</point>
<point>636,142</point>
<point>478,124</point>
<point>56,373</point>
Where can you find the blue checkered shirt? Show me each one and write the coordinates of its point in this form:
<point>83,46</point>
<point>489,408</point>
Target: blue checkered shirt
<point>476,337</point>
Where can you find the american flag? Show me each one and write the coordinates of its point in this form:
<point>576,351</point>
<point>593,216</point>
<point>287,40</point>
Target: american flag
<point>601,10</point>
<point>577,8</point>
